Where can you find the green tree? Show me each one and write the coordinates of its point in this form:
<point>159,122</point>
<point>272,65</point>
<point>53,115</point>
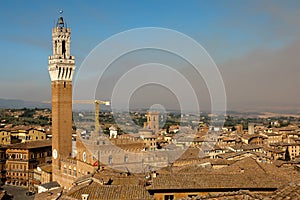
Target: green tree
<point>233,128</point>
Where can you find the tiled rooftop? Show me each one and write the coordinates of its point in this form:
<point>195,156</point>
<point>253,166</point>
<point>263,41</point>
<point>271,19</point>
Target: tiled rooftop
<point>46,168</point>
<point>290,191</point>
<point>31,144</point>
<point>49,195</point>
<point>212,181</point>
<point>50,185</point>
<point>238,195</point>
<point>243,174</point>
<point>109,192</point>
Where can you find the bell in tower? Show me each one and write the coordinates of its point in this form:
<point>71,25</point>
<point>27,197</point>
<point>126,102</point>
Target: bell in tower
<point>61,22</point>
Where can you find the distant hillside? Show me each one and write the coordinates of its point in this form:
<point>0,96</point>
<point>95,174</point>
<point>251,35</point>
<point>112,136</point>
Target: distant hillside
<point>16,103</point>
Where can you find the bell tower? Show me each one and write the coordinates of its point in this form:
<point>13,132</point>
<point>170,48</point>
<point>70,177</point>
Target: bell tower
<point>61,67</point>
<point>152,121</point>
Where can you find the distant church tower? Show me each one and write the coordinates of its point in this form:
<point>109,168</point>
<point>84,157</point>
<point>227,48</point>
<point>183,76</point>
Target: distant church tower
<point>61,68</point>
<point>152,121</point>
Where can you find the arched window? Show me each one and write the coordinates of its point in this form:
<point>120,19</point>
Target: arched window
<point>65,169</point>
<point>74,172</point>
<point>70,171</point>
<point>110,159</point>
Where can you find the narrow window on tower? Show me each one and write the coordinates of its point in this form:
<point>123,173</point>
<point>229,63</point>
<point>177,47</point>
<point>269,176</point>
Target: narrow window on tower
<point>59,70</point>
<point>64,84</point>
<point>63,50</point>
<point>70,72</point>
<point>55,47</point>
<point>67,72</point>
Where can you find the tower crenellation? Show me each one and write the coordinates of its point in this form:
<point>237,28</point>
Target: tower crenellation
<point>61,62</point>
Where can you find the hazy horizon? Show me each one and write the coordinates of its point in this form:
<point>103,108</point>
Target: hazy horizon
<point>254,44</point>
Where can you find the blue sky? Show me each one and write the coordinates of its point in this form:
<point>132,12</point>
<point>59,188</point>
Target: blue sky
<point>233,32</point>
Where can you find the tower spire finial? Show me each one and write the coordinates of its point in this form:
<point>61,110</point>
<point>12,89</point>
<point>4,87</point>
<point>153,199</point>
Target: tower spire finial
<point>60,22</point>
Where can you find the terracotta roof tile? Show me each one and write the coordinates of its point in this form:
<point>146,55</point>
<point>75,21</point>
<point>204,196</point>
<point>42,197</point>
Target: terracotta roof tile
<point>242,194</point>
<point>243,174</point>
<point>211,181</point>
<point>49,195</point>
<point>31,144</point>
<point>108,192</point>
<point>290,191</point>
<point>46,168</point>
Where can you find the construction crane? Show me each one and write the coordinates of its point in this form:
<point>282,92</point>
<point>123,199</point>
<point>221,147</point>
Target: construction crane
<point>97,103</point>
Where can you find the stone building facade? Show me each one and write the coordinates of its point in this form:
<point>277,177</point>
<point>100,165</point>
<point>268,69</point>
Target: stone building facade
<point>22,159</point>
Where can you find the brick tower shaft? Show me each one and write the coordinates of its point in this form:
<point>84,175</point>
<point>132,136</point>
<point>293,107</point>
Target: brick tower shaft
<point>61,67</point>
